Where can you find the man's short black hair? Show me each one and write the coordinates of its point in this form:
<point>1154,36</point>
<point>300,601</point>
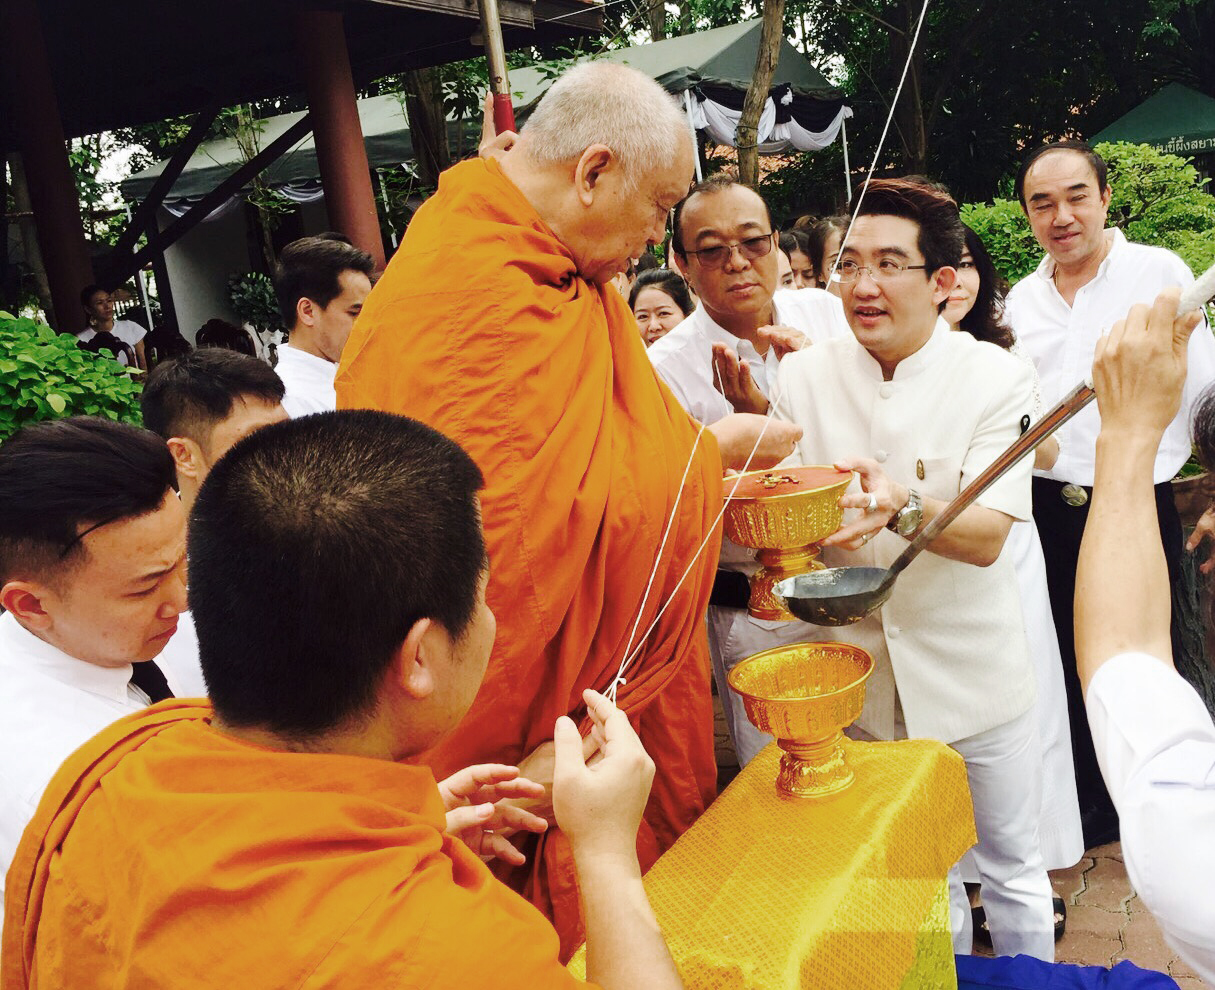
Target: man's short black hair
<point>310,268</point>
<point>713,184</point>
<point>187,396</point>
<point>941,238</point>
<point>1082,148</point>
<point>61,478</point>
<point>315,545</point>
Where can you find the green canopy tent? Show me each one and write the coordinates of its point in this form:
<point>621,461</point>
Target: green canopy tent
<point>708,70</point>
<point>385,133</point>
<point>1177,120</point>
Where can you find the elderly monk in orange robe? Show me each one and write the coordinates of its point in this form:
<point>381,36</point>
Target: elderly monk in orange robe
<point>276,839</point>
<point>495,323</point>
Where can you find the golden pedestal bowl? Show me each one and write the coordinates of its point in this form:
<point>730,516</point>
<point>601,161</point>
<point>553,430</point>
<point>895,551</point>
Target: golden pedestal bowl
<point>785,515</point>
<point>805,695</point>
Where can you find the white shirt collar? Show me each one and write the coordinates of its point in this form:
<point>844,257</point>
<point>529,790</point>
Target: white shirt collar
<point>1117,241</point>
<point>304,357</point>
<point>717,334</point>
<point>911,365</point>
<point>38,656</point>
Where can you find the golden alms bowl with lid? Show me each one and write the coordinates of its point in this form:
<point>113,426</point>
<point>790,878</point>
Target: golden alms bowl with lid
<point>805,695</point>
<point>784,515</point>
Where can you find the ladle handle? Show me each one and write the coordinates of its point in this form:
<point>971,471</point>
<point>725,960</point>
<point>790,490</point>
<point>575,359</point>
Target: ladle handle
<point>1072,403</point>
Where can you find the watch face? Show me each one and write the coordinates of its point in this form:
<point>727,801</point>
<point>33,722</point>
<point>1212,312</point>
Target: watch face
<point>909,521</point>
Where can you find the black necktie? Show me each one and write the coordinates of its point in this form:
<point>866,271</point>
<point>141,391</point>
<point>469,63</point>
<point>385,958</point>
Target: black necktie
<point>150,680</point>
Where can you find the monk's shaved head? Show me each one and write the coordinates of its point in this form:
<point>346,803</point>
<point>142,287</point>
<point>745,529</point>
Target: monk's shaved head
<point>608,104</point>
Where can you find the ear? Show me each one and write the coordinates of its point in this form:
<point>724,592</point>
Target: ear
<point>187,458</point>
<point>595,161</point>
<point>414,667</point>
<point>943,279</point>
<point>1105,196</point>
<point>25,599</point>
<point>306,312</point>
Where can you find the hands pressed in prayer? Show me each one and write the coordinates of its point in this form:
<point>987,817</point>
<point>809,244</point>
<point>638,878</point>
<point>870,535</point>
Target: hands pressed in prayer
<point>733,379</point>
<point>784,339</point>
<point>493,144</point>
<point>480,814</point>
<point>882,498</point>
<point>599,802</point>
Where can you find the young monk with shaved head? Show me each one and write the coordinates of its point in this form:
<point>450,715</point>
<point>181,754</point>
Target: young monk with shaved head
<point>496,324</point>
<point>275,837</point>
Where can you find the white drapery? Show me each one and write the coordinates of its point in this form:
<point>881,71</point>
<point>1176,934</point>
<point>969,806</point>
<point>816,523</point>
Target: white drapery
<point>779,130</point>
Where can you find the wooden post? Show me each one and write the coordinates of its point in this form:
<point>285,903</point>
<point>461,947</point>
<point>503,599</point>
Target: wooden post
<point>340,151</point>
<point>34,110</point>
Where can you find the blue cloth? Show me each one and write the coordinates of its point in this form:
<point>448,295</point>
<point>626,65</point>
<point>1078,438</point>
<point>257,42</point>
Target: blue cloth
<point>1027,973</point>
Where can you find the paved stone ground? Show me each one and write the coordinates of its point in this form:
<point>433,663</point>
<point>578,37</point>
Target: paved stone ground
<point>1106,921</point>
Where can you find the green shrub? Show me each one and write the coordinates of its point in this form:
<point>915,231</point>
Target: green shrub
<point>1005,232</point>
<point>44,375</point>
<point>1156,198</point>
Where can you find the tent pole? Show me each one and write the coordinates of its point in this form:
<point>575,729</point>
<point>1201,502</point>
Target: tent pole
<point>392,231</point>
<point>687,109</point>
<point>495,52</point>
<point>847,168</point>
<point>143,284</point>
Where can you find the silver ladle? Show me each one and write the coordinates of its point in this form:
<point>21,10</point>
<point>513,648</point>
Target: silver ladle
<point>840,596</point>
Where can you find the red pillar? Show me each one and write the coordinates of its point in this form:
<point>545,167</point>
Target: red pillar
<point>340,152</point>
<point>35,111</point>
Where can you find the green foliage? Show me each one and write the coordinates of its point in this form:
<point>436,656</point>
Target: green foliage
<point>1155,198</point>
<point>1005,232</point>
<point>1160,199</point>
<point>252,297</point>
<point>44,375</point>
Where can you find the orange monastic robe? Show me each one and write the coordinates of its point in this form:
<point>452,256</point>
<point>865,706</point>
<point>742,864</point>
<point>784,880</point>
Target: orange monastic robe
<point>165,854</point>
<point>482,328</point>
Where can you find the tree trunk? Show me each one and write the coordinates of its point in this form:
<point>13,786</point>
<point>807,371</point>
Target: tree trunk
<point>747,132</point>
<point>33,250</point>
<point>685,17</point>
<point>909,114</point>
<point>427,123</point>
<point>658,19</point>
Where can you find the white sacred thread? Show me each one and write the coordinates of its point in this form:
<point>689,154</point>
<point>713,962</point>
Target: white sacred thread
<point>632,652</point>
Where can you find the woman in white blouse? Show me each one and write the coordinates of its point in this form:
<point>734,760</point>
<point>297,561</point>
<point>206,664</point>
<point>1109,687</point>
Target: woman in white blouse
<point>99,310</point>
<point>976,306</point>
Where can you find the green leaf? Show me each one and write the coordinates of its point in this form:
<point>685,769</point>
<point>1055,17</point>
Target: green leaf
<point>57,402</point>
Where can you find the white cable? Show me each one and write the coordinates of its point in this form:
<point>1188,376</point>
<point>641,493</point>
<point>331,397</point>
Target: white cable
<point>915,39</point>
<point>645,599</point>
<point>631,656</point>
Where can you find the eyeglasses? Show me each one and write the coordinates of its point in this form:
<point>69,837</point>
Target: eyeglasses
<point>850,271</point>
<point>750,248</point>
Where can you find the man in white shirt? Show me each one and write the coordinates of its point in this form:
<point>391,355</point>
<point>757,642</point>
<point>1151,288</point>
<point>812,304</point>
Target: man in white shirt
<point>919,411</point>
<point>1154,737</point>
<point>320,283</point>
<point>92,581</point>
<point>202,403</point>
<point>722,359</point>
<point>1089,278</point>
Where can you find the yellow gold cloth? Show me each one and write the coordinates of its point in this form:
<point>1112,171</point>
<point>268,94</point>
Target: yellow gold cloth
<point>772,893</point>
